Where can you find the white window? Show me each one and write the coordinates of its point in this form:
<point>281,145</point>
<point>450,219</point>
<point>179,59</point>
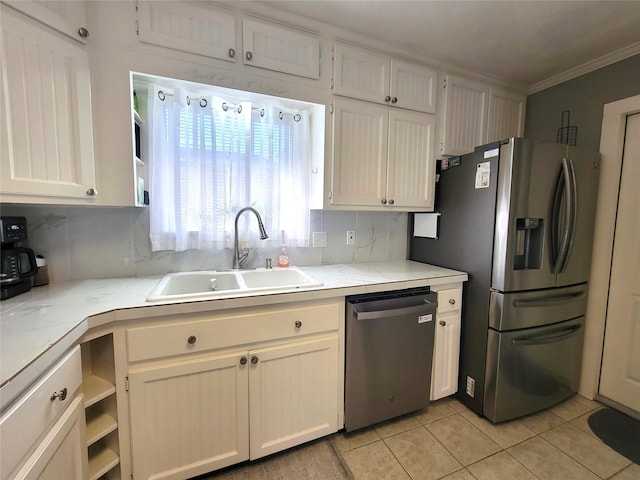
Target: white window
<point>212,156</point>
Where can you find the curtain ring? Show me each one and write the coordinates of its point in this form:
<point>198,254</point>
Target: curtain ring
<point>188,100</point>
<point>203,102</point>
<point>262,112</point>
<point>281,116</point>
<point>161,95</point>
<point>225,107</point>
<point>297,117</point>
<point>239,109</point>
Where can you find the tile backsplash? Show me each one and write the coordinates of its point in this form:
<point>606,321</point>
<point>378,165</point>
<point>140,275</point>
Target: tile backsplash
<point>100,242</point>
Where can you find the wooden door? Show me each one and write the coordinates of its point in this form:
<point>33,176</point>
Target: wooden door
<point>620,373</point>
<point>293,394</point>
<point>190,417</point>
<point>360,139</point>
<point>62,453</point>
<point>465,111</point>
<point>413,86</point>
<point>411,166</point>
<point>46,134</point>
<point>446,355</point>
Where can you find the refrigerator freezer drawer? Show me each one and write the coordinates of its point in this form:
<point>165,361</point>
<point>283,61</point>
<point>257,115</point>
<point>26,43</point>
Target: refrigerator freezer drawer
<point>512,311</point>
<point>532,369</point>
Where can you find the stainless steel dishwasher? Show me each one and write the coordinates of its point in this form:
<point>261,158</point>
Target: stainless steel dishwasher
<point>389,351</point>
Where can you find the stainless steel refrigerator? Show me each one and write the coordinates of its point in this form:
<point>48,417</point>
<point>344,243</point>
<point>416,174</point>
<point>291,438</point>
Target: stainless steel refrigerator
<point>518,216</point>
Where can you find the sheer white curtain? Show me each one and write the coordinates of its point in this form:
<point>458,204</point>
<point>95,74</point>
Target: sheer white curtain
<point>209,158</point>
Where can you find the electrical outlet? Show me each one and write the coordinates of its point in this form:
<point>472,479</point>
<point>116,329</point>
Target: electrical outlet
<point>319,239</point>
<point>471,386</point>
<point>351,237</point>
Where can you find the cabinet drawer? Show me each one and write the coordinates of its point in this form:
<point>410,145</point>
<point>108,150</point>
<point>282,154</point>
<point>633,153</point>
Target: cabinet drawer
<point>449,300</point>
<point>34,413</point>
<point>238,328</point>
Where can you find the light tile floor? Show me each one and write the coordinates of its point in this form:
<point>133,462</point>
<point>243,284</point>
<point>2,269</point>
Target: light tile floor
<point>450,442</point>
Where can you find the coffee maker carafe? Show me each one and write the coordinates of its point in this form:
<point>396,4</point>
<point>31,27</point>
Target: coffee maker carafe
<point>18,263</point>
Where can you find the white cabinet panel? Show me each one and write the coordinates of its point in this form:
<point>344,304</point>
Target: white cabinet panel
<point>62,453</point>
<point>46,125</point>
<point>190,417</point>
<point>506,115</point>
<point>382,157</point>
<point>280,49</point>
<point>360,74</point>
<point>446,354</point>
<point>188,27</point>
<point>413,86</point>
<point>68,17</point>
<point>365,75</point>
<point>360,136</point>
<point>411,167</point>
<point>465,115</point>
<point>293,391</point>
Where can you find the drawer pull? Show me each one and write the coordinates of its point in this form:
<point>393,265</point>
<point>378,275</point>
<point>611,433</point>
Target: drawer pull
<point>443,323</point>
<point>61,395</point>
<point>192,340</point>
<point>243,360</point>
<point>298,324</point>
<point>452,301</point>
<point>254,359</point>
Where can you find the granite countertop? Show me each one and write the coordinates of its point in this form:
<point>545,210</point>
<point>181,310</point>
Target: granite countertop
<point>38,326</point>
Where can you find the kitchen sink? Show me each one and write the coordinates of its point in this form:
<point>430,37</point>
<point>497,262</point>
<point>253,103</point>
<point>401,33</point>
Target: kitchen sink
<point>212,284</point>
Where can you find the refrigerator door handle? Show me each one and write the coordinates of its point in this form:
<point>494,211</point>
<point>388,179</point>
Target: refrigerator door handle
<point>542,339</point>
<point>549,301</point>
<point>573,206</point>
<point>564,185</point>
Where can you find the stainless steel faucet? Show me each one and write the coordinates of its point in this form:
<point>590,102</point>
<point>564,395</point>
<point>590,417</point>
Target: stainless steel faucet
<point>240,256</point>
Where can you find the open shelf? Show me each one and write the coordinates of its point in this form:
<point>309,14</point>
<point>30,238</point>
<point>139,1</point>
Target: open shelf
<point>100,427</point>
<point>103,461</point>
<point>95,389</point>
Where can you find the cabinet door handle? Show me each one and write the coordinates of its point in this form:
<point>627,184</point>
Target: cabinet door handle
<point>443,323</point>
<point>232,52</point>
<point>192,339</point>
<point>254,359</point>
<point>92,192</point>
<point>249,55</point>
<point>391,201</point>
<point>452,301</point>
<point>61,395</point>
<point>83,32</point>
<point>394,100</point>
<point>243,360</point>
<point>298,324</point>
<point>387,99</point>
<point>384,201</point>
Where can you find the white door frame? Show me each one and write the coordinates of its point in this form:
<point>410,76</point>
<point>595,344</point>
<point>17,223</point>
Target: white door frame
<point>611,148</point>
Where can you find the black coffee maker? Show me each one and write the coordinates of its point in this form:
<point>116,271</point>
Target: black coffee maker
<point>18,263</point>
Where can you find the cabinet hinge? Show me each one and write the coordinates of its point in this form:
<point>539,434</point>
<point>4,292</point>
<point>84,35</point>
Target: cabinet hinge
<point>444,83</point>
<point>332,83</point>
<point>330,194</point>
<point>126,383</point>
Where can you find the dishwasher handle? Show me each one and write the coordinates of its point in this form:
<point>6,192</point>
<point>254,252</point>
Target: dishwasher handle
<point>396,312</point>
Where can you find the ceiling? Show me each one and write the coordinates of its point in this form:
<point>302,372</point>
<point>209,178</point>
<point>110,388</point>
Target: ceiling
<point>528,43</point>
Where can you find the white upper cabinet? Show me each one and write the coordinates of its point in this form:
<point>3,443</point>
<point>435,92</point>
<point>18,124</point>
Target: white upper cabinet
<point>188,27</point>
<point>359,73</point>
<point>476,113</point>
<point>46,133</point>
<point>382,157</point>
<point>68,17</point>
<point>464,115</point>
<point>280,49</point>
<point>506,115</point>
<point>197,28</point>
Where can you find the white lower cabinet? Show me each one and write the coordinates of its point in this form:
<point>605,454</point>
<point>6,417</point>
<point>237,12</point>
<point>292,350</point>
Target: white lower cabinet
<point>446,347</point>
<point>62,453</point>
<point>232,387</point>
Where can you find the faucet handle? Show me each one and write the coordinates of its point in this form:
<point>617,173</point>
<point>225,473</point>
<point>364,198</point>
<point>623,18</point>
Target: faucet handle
<point>267,263</point>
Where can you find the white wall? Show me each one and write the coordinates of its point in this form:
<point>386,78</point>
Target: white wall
<point>92,242</point>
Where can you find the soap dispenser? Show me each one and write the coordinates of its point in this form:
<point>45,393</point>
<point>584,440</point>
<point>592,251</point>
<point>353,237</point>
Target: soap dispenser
<point>283,259</point>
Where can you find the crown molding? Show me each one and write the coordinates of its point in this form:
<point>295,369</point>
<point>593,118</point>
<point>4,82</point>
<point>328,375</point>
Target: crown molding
<point>618,55</point>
